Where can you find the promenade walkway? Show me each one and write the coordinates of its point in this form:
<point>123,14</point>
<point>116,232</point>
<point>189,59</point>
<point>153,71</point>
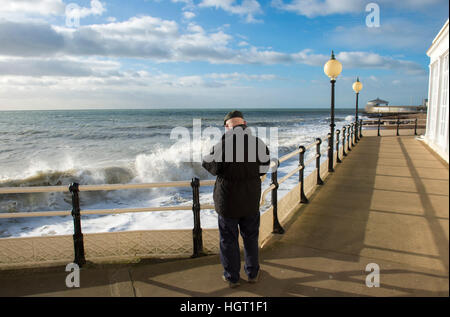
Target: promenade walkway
<point>387,203</point>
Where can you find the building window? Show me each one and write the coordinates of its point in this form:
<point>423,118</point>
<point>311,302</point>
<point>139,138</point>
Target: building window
<point>433,100</point>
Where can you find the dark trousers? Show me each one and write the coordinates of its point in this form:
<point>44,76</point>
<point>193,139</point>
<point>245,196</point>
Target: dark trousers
<point>229,245</point>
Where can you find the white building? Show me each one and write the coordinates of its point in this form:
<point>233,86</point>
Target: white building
<point>436,135</point>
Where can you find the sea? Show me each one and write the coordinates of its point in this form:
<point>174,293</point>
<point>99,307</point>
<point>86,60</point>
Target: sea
<point>48,148</point>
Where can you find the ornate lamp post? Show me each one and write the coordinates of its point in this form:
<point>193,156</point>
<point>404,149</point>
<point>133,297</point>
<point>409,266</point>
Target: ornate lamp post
<point>357,87</point>
<point>332,69</point>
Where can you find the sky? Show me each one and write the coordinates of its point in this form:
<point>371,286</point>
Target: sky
<point>111,54</point>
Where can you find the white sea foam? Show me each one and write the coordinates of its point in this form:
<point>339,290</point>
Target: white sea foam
<point>349,118</point>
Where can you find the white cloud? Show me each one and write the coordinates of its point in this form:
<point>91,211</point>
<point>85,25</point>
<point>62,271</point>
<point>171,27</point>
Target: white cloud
<point>247,8</point>
<point>96,8</point>
<point>34,7</point>
<point>188,4</point>
<point>95,75</point>
<point>161,40</point>
<point>20,10</point>
<point>375,61</point>
<point>411,4</point>
<point>242,76</point>
<point>58,66</point>
<point>188,15</point>
<point>392,33</point>
<point>195,28</point>
<point>313,8</point>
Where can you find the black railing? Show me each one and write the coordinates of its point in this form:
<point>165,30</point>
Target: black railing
<point>396,124</point>
<point>352,133</point>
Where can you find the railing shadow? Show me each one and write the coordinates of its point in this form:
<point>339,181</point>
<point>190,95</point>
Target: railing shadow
<point>439,236</point>
<point>338,217</point>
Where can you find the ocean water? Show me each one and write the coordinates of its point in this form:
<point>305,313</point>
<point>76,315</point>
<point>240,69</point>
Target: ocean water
<point>45,148</point>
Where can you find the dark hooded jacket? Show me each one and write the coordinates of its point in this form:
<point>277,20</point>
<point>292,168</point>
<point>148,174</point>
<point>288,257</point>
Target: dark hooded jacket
<point>238,161</point>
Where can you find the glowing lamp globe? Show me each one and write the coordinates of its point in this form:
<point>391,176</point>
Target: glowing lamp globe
<point>357,86</point>
<point>333,67</point>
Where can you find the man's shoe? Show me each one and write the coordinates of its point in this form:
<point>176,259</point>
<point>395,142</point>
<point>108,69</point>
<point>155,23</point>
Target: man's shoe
<point>230,284</point>
<point>255,279</point>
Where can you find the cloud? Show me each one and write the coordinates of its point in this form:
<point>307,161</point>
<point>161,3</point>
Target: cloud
<point>96,75</point>
<point>161,41</point>
<point>144,37</point>
<point>392,34</point>
<point>412,4</point>
<point>247,8</point>
<point>60,67</point>
<point>34,7</point>
<point>29,39</point>
<point>376,61</point>
<point>188,4</point>
<point>75,10</point>
<point>188,15</point>
<point>314,8</point>
<point>242,76</point>
<point>20,10</point>
<point>139,37</point>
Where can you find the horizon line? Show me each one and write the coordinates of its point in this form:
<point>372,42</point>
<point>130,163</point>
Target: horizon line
<point>186,108</point>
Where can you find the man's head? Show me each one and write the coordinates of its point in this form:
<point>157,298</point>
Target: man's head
<point>233,118</point>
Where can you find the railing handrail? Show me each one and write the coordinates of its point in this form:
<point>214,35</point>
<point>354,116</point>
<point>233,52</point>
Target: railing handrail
<point>392,119</point>
<point>394,122</point>
<point>82,188</point>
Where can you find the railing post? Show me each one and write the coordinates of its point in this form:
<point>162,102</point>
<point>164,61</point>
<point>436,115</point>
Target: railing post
<point>398,125</point>
<point>78,243</point>
<point>318,155</point>
<point>301,175</point>
<point>197,231</point>
<point>276,224</point>
<point>353,134</point>
<point>330,152</point>
<point>344,130</point>
<point>348,139</point>
<point>338,160</point>
<point>379,124</point>
<point>415,127</point>
<point>360,129</point>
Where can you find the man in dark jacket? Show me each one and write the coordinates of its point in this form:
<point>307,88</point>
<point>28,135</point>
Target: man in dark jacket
<point>238,161</point>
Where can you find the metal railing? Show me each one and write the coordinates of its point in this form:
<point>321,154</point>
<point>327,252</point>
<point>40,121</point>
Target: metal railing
<point>348,132</point>
<point>394,123</point>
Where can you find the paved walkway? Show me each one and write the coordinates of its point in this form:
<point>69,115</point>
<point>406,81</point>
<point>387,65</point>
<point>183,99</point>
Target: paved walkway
<point>387,203</point>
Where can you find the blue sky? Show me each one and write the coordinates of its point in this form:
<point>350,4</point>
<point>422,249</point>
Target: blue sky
<point>211,53</point>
